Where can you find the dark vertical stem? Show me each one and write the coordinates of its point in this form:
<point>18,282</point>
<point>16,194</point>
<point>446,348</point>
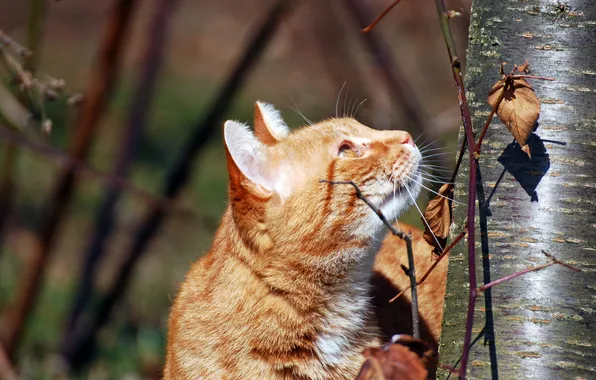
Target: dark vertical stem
<point>413,288</point>
<point>102,81</point>
<point>80,348</point>
<point>467,122</point>
<point>152,59</point>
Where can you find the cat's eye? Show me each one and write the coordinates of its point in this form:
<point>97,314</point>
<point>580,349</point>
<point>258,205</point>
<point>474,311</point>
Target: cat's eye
<point>347,149</point>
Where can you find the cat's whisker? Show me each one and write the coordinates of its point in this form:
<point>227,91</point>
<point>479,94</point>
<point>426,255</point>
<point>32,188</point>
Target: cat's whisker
<point>431,172</point>
<point>347,110</point>
<point>337,100</point>
<point>423,146</point>
<point>432,176</point>
<point>352,107</point>
<point>357,108</point>
<point>343,113</point>
<point>436,181</point>
<point>432,191</point>
<point>423,151</point>
<point>435,168</point>
<point>436,154</point>
<point>295,108</point>
<point>423,218</point>
<point>420,135</point>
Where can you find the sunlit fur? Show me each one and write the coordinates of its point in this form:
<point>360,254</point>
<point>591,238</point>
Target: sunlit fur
<point>285,291</point>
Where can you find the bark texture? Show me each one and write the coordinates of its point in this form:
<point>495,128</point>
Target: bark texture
<point>543,324</point>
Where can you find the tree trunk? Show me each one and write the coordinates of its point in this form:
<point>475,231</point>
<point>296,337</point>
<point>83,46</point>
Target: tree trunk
<point>542,324</point>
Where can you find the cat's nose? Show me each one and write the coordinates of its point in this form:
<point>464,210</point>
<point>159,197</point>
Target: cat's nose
<point>407,139</point>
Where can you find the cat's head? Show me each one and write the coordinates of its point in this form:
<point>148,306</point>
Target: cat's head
<point>278,200</point>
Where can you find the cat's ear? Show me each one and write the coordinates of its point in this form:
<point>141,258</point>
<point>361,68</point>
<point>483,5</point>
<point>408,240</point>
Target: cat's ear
<point>247,160</point>
<point>269,126</point>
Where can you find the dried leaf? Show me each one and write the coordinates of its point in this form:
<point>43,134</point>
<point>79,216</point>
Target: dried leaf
<point>526,149</point>
<point>438,218</point>
<point>391,362</point>
<point>519,108</point>
<point>525,68</point>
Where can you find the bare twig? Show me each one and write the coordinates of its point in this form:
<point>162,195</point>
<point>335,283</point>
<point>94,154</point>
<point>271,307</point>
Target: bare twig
<point>6,40</point>
<point>152,58</point>
<point>469,132</point>
<point>102,81</point>
<point>406,237</point>
<point>433,266</point>
<point>380,17</point>
<point>532,77</point>
<point>554,261</point>
<point>460,156</point>
<point>82,344</point>
<point>557,261</point>
<point>33,84</point>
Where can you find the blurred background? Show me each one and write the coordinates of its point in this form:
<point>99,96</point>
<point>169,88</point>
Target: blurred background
<point>112,171</point>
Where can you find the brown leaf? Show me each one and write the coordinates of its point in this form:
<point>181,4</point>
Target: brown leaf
<point>391,362</point>
<point>525,68</point>
<point>519,108</point>
<point>526,149</point>
<point>438,218</point>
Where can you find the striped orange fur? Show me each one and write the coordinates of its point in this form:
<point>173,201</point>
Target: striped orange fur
<point>288,289</point>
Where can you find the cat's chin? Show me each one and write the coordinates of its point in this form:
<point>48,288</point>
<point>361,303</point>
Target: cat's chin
<point>397,203</point>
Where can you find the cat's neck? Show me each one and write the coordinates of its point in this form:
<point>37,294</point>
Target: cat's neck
<point>334,308</point>
<point>302,276</point>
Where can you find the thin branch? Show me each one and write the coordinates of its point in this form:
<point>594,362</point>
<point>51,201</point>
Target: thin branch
<point>532,77</point>
<point>48,87</point>
<point>506,278</point>
<point>557,261</point>
<point>433,266</point>
<point>460,156</point>
<point>81,346</point>
<point>102,81</point>
<point>444,17</point>
<point>554,261</point>
<point>406,237</point>
<point>6,40</point>
<point>380,17</point>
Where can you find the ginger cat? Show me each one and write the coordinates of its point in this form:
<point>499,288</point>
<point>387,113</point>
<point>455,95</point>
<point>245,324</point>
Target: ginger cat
<point>288,289</point>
